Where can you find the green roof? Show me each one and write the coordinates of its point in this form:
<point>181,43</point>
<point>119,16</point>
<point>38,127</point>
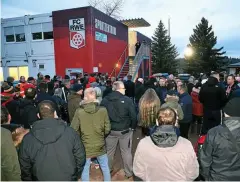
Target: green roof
<point>136,23</point>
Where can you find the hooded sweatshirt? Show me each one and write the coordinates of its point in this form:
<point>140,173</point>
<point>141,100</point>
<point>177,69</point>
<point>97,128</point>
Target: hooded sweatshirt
<point>174,157</point>
<point>172,102</point>
<point>73,104</point>
<point>92,123</point>
<point>51,151</point>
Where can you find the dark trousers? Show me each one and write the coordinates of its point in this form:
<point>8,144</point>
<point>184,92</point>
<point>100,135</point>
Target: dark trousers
<point>184,128</point>
<point>197,119</point>
<point>210,120</point>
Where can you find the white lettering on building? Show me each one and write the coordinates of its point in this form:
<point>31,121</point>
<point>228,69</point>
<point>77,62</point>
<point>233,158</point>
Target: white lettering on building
<point>105,27</point>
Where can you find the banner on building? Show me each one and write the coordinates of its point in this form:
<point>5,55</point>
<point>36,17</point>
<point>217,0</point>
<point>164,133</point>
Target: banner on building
<point>77,33</point>
<point>100,37</point>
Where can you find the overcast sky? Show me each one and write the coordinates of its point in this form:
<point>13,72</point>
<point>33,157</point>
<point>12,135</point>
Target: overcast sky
<point>224,15</point>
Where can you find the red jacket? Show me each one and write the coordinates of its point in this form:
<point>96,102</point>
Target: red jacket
<point>197,105</point>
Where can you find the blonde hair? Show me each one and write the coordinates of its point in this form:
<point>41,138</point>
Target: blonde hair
<point>167,116</point>
<point>149,105</point>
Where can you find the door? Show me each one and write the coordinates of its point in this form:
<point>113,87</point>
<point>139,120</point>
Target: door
<point>18,71</point>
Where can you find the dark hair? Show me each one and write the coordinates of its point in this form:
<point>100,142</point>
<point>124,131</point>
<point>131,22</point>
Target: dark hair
<point>129,77</point>
<point>30,79</point>
<point>108,82</point>
<point>30,93</point>
<point>67,77</point>
<point>46,109</point>
<point>47,77</point>
<point>43,87</point>
<point>231,76</point>
<point>4,115</point>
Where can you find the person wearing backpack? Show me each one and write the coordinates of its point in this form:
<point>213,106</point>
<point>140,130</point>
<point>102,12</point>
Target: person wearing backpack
<point>220,155</point>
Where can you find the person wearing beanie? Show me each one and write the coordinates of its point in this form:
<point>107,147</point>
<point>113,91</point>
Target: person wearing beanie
<point>220,155</point>
<point>10,80</point>
<point>74,99</point>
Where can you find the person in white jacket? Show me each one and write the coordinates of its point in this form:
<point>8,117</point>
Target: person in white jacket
<point>165,156</point>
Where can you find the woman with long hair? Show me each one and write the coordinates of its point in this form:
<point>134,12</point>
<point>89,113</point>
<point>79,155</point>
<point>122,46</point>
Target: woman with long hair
<point>149,104</point>
<point>172,154</point>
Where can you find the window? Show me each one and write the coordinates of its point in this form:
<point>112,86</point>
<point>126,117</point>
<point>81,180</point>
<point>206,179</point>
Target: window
<point>42,31</point>
<point>9,34</point>
<point>19,32</point>
<point>14,34</point>
<point>16,72</point>
<point>41,66</point>
<point>36,30</point>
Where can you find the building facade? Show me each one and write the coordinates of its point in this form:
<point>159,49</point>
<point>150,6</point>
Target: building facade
<point>27,46</point>
<point>80,39</point>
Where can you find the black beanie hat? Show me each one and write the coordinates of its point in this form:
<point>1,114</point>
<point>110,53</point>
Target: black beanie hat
<point>232,108</point>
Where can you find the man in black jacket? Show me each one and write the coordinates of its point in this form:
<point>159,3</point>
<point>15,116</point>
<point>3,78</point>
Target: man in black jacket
<point>27,109</point>
<point>123,119</point>
<point>51,151</point>
<point>130,87</point>
<point>220,155</point>
<point>213,99</point>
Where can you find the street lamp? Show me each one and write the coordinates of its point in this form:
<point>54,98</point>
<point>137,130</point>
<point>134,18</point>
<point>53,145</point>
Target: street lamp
<point>188,52</point>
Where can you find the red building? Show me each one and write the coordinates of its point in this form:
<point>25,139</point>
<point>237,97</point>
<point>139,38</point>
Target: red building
<point>85,38</point>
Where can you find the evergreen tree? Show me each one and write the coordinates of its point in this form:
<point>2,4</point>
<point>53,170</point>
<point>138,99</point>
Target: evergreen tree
<point>163,52</point>
<point>206,57</point>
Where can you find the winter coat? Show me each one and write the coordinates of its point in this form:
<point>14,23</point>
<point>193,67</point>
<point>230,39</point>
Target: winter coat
<point>233,88</point>
<point>185,101</point>
<point>27,112</point>
<point>107,91</point>
<point>197,108</point>
<point>10,169</point>
<point>162,93</point>
<point>73,104</point>
<point>235,93</point>
<point>92,123</point>
<point>190,87</point>
<point>212,96</point>
<point>174,157</point>
<point>173,103</point>
<point>139,91</point>
<point>121,111</point>
<point>130,88</point>
<point>51,151</point>
<point>45,96</point>
<point>220,157</point>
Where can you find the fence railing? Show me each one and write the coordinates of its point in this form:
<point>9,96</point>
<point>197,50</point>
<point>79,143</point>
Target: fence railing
<point>123,56</point>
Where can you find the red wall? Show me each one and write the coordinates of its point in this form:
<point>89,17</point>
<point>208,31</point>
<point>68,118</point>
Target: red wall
<point>108,54</point>
<point>95,53</point>
<point>66,56</point>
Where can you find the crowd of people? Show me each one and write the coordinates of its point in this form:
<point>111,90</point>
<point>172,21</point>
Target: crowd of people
<point>54,129</point>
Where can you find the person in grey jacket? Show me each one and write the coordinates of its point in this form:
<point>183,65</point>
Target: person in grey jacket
<point>219,157</point>
<point>185,100</point>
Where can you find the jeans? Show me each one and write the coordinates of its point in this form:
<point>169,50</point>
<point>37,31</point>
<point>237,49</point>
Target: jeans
<point>103,162</point>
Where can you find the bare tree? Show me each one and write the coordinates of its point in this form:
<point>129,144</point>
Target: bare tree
<point>111,8</point>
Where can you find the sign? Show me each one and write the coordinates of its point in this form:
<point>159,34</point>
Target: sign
<point>72,72</point>
<point>105,27</point>
<point>77,33</point>
<point>95,69</point>
<point>100,37</point>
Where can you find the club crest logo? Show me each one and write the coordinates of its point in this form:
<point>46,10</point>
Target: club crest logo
<point>77,33</point>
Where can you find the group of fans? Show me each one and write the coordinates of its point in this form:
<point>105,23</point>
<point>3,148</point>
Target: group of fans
<point>53,129</point>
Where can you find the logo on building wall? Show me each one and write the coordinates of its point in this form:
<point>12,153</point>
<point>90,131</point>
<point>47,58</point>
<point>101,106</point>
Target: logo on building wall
<point>77,33</point>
